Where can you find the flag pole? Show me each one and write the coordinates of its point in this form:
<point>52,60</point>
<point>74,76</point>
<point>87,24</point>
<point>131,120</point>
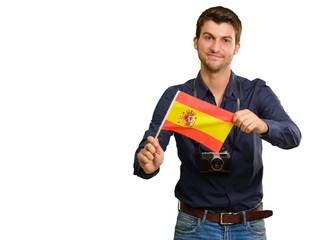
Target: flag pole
<point>169,108</point>
<point>157,134</point>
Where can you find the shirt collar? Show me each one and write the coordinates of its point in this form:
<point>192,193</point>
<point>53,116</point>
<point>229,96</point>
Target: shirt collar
<point>202,88</point>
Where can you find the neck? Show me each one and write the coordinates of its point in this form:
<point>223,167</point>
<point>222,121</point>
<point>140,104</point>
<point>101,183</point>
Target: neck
<point>216,81</point>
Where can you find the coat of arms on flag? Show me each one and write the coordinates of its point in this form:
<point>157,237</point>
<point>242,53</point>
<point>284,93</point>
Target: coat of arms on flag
<point>187,118</point>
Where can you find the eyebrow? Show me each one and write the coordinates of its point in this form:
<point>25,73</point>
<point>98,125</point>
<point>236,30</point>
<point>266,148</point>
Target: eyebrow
<point>214,36</point>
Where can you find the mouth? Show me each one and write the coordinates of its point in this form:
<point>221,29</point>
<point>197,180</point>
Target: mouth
<point>214,56</point>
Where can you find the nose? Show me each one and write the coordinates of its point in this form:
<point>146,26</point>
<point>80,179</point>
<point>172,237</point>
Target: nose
<point>216,46</point>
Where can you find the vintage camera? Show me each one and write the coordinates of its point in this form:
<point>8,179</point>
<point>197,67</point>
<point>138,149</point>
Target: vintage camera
<point>211,162</point>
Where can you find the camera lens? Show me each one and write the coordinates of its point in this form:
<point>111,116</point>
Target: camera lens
<point>217,164</point>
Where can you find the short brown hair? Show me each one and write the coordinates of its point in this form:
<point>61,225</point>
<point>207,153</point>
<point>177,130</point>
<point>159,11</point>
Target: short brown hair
<point>220,15</point>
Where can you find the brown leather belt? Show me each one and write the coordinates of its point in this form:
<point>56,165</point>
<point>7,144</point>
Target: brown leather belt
<point>227,218</point>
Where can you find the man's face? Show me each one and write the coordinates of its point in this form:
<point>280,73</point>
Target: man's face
<point>216,46</point>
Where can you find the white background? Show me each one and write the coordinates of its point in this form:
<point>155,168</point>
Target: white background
<point>79,83</point>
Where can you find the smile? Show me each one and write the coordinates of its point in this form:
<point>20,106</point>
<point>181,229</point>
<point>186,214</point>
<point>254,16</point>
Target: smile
<point>214,56</point>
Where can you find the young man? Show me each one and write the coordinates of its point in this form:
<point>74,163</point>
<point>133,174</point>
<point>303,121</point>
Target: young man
<point>226,202</point>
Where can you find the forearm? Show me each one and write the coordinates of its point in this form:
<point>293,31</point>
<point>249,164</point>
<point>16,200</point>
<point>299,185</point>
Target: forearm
<point>164,136</point>
<point>283,134</point>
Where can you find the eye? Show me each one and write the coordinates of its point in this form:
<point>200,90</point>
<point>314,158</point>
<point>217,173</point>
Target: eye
<point>226,40</point>
<point>208,37</point>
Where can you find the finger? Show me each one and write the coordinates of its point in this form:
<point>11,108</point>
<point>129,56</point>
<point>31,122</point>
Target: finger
<point>149,147</point>
<point>156,144</point>
<point>147,154</point>
<point>238,117</point>
<point>158,147</point>
<point>142,159</point>
<point>247,129</point>
<point>151,140</point>
<point>241,118</point>
<point>247,125</point>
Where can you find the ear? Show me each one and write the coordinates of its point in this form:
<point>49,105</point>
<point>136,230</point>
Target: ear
<point>196,43</point>
<point>237,48</point>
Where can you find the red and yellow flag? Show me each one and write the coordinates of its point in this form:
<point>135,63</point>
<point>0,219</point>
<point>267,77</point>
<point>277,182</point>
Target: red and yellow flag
<point>198,120</point>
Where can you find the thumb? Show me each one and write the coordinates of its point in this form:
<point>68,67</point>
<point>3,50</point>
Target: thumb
<point>158,147</point>
<point>156,144</point>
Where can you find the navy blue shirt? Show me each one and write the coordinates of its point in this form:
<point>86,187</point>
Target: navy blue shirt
<point>241,189</point>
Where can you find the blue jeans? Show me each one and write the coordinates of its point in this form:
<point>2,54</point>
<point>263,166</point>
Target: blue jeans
<point>191,228</point>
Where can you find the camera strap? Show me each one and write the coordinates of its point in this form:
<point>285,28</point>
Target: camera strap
<point>238,104</point>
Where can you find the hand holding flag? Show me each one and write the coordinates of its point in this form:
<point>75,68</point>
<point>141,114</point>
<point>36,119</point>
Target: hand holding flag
<point>151,156</point>
<point>247,121</point>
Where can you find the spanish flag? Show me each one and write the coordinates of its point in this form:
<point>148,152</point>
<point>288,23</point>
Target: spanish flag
<point>198,120</point>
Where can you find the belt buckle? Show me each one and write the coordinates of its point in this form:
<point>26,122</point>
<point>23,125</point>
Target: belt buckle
<point>221,218</point>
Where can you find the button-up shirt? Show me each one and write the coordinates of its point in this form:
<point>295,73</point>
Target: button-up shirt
<point>241,189</point>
